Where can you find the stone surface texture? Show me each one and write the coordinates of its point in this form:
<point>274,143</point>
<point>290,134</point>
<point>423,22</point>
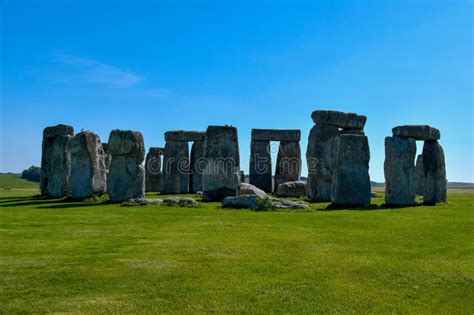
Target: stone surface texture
<point>288,165</point>
<point>153,175</point>
<point>339,119</point>
<point>176,169</point>
<point>434,173</point>
<point>253,201</point>
<point>260,173</point>
<point>198,166</point>
<point>290,135</point>
<point>292,189</point>
<point>184,135</point>
<point>419,175</point>
<point>417,132</point>
<point>249,189</point>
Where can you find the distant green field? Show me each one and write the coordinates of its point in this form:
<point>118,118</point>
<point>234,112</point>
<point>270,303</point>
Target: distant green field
<point>58,256</point>
<point>13,181</point>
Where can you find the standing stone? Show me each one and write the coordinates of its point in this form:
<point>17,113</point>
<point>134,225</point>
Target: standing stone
<point>126,178</point>
<point>56,161</point>
<point>242,177</point>
<point>419,175</point>
<point>400,187</point>
<point>222,175</point>
<point>351,181</point>
<point>434,173</point>
<point>176,168</point>
<point>288,166</point>
<point>107,156</point>
<point>261,165</point>
<point>153,178</point>
<point>198,166</point>
<point>320,158</point>
<point>88,170</point>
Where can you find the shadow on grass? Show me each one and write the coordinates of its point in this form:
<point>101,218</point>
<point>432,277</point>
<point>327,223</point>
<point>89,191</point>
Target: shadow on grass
<point>43,202</point>
<point>371,207</point>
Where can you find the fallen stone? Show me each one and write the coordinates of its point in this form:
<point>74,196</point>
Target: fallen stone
<point>320,158</point>
<point>176,169</point>
<point>56,161</point>
<point>180,201</point>
<point>88,170</point>
<point>339,119</point>
<point>288,166</point>
<point>419,175</point>
<point>351,181</point>
<point>126,179</point>
<point>144,201</point>
<point>374,194</point>
<point>221,151</point>
<point>417,132</point>
<point>249,189</point>
<point>198,166</point>
<point>288,135</point>
<point>153,176</point>
<point>254,202</point>
<point>260,174</point>
<point>184,135</point>
<point>434,173</point>
<point>292,189</point>
<point>399,168</point>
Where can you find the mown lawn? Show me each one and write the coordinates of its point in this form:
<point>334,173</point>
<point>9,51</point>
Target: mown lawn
<point>58,256</point>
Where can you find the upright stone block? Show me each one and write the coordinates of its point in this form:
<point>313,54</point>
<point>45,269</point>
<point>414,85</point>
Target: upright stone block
<point>153,176</point>
<point>399,170</point>
<point>320,158</point>
<point>221,151</point>
<point>419,175</point>
<point>107,156</point>
<point>88,169</point>
<point>260,174</point>
<point>198,166</point>
<point>126,178</point>
<point>56,161</point>
<point>288,166</point>
<point>434,171</point>
<point>351,181</point>
<point>176,169</point>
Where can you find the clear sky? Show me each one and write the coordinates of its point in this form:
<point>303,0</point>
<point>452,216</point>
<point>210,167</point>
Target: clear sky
<point>156,66</point>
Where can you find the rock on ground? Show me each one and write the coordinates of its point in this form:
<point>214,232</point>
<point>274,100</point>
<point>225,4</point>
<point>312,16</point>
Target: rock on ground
<point>292,189</point>
<point>56,161</point>
<point>399,168</point>
<point>126,178</point>
<point>288,166</point>
<point>180,201</point>
<point>253,202</point>
<point>88,170</point>
<point>249,189</point>
<point>417,132</point>
<point>351,181</point>
<point>339,119</point>
<point>176,168</point>
<point>221,151</point>
<point>434,173</point>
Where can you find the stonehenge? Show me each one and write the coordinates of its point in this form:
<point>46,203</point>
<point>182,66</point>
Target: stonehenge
<point>221,177</point>
<point>88,170</point>
<point>404,179</point>
<point>197,166</point>
<point>126,178</point>
<point>288,166</point>
<point>153,176</point>
<point>338,157</point>
<point>56,161</point>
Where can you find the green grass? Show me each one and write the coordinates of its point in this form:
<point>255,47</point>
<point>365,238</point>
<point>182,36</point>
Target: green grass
<point>58,256</point>
<point>14,181</point>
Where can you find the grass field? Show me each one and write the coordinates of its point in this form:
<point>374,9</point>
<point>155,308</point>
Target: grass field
<point>58,256</point>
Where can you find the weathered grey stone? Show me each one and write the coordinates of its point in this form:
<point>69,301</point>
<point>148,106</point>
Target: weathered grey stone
<point>184,135</point>
<point>320,158</point>
<point>288,166</point>
<point>144,201</point>
<point>198,166</point>
<point>419,175</point>
<point>374,194</point>
<point>434,173</point>
<point>417,132</point>
<point>339,119</point>
<point>126,179</point>
<point>351,181</point>
<point>352,132</point>
<point>153,175</point>
<point>291,189</point>
<point>253,201</point>
<point>176,169</point>
<point>249,189</point>
<point>56,161</point>
<point>260,174</point>
<point>88,170</point>
<point>289,135</point>
<point>280,203</point>
<point>399,168</point>
<point>242,177</point>
<point>222,175</point>
<point>107,156</point>
<point>180,201</point>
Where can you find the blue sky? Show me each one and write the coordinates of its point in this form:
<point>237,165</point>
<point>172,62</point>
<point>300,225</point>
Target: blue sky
<point>156,66</point>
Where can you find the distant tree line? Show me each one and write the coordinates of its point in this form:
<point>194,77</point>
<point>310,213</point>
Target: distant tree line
<point>32,174</point>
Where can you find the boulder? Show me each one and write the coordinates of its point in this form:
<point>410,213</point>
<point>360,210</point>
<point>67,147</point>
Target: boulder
<point>56,161</point>
<point>198,166</point>
<point>144,201</point>
<point>184,135</point>
<point>126,179</point>
<point>180,201</point>
<point>320,158</point>
<point>417,132</point>
<point>399,168</point>
<point>253,202</point>
<point>88,169</point>
<point>434,173</point>
<point>260,173</point>
<point>288,166</point>
<point>289,135</point>
<point>153,176</point>
<point>248,189</point>
<point>221,151</point>
<point>419,175</point>
<point>176,168</point>
<point>351,181</point>
<point>292,189</point>
<point>339,119</point>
